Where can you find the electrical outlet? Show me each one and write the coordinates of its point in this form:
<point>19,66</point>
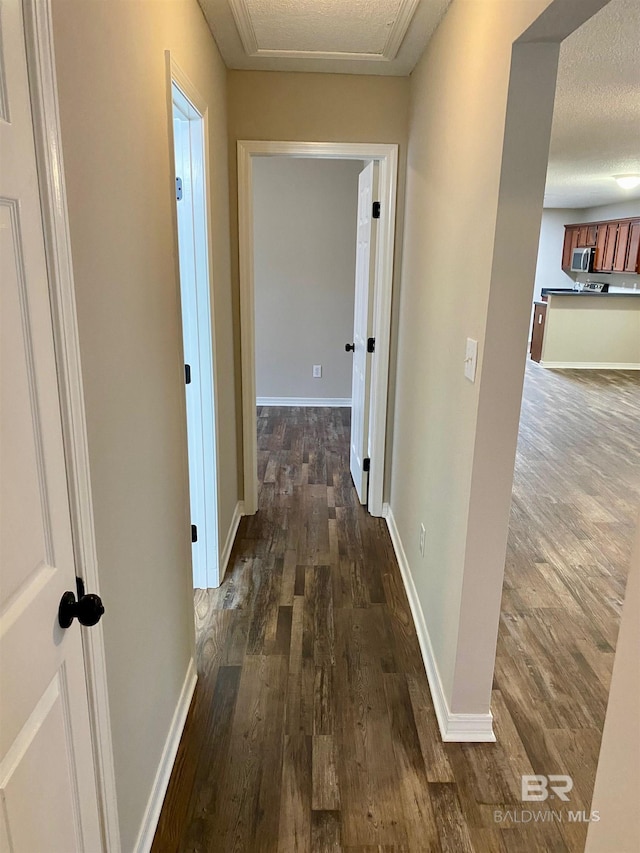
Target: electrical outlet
<point>422,537</point>
<point>317,371</point>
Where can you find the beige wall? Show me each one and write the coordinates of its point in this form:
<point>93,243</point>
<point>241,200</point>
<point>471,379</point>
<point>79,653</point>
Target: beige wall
<point>468,272</point>
<point>617,790</point>
<point>315,108</point>
<point>305,234</point>
<point>115,124</point>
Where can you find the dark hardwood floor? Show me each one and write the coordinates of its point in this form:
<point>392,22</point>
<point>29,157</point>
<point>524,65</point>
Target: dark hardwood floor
<point>312,727</point>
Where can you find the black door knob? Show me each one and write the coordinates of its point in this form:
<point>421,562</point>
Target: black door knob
<point>88,609</point>
<point>350,347</point>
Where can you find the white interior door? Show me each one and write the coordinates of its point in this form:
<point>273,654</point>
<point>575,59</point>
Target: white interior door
<point>48,796</point>
<point>362,329</point>
<point>188,140</point>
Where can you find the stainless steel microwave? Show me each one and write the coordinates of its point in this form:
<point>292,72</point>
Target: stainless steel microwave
<point>582,260</point>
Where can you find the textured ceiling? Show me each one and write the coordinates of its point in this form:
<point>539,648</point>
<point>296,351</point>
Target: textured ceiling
<point>596,120</point>
<point>337,36</point>
<point>329,27</point>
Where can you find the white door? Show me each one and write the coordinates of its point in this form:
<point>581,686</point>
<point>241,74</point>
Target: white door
<point>362,323</point>
<point>48,800</point>
<point>190,163</point>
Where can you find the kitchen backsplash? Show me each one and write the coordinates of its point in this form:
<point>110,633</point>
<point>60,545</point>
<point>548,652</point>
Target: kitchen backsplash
<point>618,282</point>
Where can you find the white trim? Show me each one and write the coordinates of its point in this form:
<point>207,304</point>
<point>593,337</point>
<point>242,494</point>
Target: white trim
<point>590,365</point>
<point>184,83</point>
<point>267,53</point>
<point>326,150</point>
<point>238,512</point>
<point>341,402</point>
<point>387,156</point>
<point>469,728</point>
<point>247,330</point>
<point>46,121</point>
<point>242,17</point>
<point>397,32</point>
<point>163,773</point>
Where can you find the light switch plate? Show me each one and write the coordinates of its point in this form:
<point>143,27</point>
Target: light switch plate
<point>471,360</point>
<point>317,371</point>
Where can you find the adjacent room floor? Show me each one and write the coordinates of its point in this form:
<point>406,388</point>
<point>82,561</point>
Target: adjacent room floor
<point>312,726</point>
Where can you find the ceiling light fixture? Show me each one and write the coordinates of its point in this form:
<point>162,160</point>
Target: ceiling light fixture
<point>627,182</point>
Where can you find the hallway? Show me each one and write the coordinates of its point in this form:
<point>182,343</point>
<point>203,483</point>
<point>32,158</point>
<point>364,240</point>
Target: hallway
<point>312,726</point>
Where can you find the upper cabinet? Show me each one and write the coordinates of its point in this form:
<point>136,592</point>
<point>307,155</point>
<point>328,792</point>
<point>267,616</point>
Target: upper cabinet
<point>622,247</point>
<point>571,233</point>
<point>604,261</point>
<point>633,253</point>
<point>616,243</point>
<point>587,235</point>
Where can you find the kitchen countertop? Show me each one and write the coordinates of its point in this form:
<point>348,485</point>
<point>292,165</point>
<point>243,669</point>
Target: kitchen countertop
<point>568,292</point>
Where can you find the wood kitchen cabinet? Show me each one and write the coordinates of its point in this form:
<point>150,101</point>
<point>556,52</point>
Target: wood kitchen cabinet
<point>537,332</point>
<point>632,263</point>
<point>622,245</point>
<point>616,243</point>
<point>571,236</point>
<point>587,235</point>
<point>605,263</point>
<point>601,245</point>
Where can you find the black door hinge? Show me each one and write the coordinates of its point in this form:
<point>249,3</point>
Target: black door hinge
<point>178,189</point>
<point>366,464</point>
<point>194,533</point>
<point>376,210</point>
<point>187,374</point>
<point>371,344</point>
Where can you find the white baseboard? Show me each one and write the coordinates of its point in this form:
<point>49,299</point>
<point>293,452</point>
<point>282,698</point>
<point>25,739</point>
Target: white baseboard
<point>161,782</point>
<point>474,728</point>
<point>333,402</point>
<point>590,365</point>
<point>238,512</point>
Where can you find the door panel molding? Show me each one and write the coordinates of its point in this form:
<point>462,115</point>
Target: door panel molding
<point>387,158</point>
<point>12,208</point>
<point>48,139</point>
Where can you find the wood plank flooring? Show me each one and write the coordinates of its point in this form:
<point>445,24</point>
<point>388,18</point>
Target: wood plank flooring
<point>312,727</point>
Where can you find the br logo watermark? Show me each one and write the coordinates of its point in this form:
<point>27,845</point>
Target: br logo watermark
<point>538,788</point>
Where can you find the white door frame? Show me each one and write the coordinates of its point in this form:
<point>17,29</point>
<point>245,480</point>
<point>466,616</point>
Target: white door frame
<point>207,488</point>
<point>46,122</point>
<point>387,158</point>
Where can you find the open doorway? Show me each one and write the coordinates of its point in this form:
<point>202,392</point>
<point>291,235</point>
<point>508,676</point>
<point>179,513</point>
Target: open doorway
<point>195,294</point>
<point>378,308</point>
<point>576,488</point>
<point>314,257</point>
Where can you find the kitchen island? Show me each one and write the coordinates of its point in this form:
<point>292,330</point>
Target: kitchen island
<point>577,329</point>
